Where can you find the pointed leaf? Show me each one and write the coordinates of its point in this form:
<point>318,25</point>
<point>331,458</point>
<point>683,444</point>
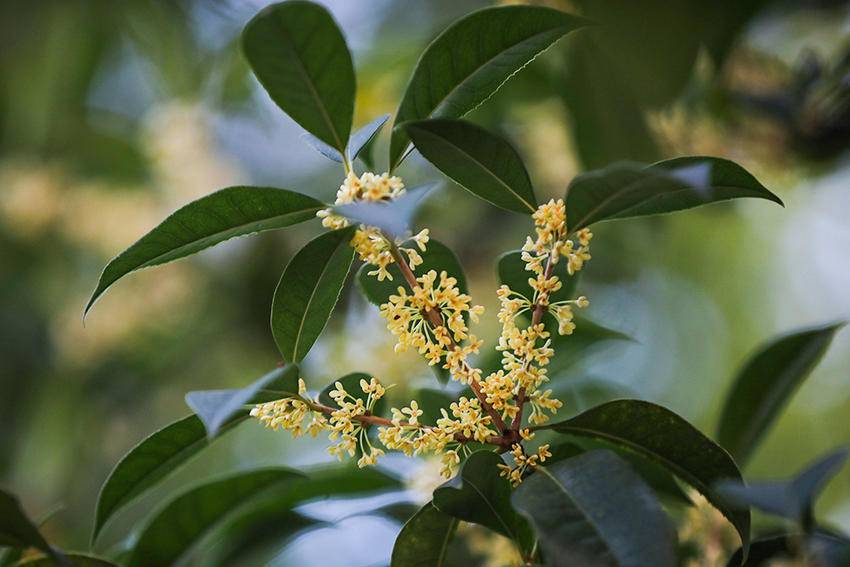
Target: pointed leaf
<point>176,527</point>
<point>479,495</point>
<point>666,438</point>
<point>152,460</point>
<point>481,162</point>
<point>215,408</point>
<point>595,510</point>
<point>308,291</point>
<point>235,211</point>
<point>626,190</point>
<point>365,134</point>
<point>424,539</point>
<point>329,152</point>
<point>470,60</point>
<point>392,217</point>
<point>300,57</point>
<point>17,530</point>
<point>792,499</point>
<point>766,383</point>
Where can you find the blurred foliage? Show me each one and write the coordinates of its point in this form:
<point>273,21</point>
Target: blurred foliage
<point>114,114</point>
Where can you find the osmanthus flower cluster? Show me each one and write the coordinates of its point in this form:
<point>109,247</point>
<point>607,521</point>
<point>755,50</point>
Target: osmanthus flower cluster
<point>429,313</point>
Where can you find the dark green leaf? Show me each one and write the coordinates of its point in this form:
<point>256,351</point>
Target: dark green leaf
<point>351,383</point>
<point>666,438</point>
<point>75,560</point>
<point>437,257</point>
<point>308,291</point>
<point>16,529</point>
<point>626,190</point>
<point>594,509</point>
<point>364,135</point>
<point>176,527</point>
<point>256,544</point>
<point>821,548</point>
<point>150,461</point>
<point>512,273</point>
<point>299,55</point>
<point>470,60</point>
<point>235,211</point>
<point>424,539</point>
<point>765,384</point>
<point>479,495</point>
<point>431,402</point>
<point>793,499</point>
<point>481,162</point>
<point>217,407</point>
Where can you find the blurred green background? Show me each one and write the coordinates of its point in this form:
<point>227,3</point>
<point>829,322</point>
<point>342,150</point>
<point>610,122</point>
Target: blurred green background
<point>113,114</point>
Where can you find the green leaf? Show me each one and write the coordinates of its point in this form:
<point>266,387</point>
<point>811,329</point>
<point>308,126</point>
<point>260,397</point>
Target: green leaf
<point>793,499</point>
<point>479,495</point>
<point>766,383</point>
<point>512,273</point>
<point>235,211</point>
<point>17,530</point>
<point>152,460</point>
<point>625,190</point>
<point>351,383</point>
<point>215,408</point>
<point>365,135</point>
<point>820,548</point>
<point>587,337</point>
<point>75,559</point>
<point>431,401</point>
<point>437,257</point>
<point>666,438</point>
<point>424,539</point>
<point>176,527</point>
<point>471,59</point>
<point>308,291</point>
<point>481,162</point>
<point>595,510</point>
<point>299,56</point>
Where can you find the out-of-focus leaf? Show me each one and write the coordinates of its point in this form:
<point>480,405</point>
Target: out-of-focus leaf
<point>235,211</point>
<point>270,518</point>
<point>766,383</point>
<point>364,135</point>
<point>424,539</point>
<point>666,438</point>
<point>582,393</point>
<point>17,530</point>
<point>437,257</point>
<point>481,162</point>
<point>176,527</point>
<point>594,509</point>
<point>608,122</point>
<point>300,57</point>
<point>821,548</point>
<point>793,499</point>
<point>393,217</point>
<point>471,59</point>
<point>431,402</point>
<point>626,190</point>
<point>217,407</point>
<point>479,495</point>
<point>249,544</point>
<point>150,461</point>
<point>308,291</point>
<point>74,560</point>
<point>351,383</point>
<point>512,273</point>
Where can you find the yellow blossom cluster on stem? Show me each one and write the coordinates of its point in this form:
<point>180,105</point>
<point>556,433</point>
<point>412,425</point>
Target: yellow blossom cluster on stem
<point>431,314</point>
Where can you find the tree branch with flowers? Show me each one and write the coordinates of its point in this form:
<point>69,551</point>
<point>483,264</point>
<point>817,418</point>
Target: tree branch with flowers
<point>559,503</point>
